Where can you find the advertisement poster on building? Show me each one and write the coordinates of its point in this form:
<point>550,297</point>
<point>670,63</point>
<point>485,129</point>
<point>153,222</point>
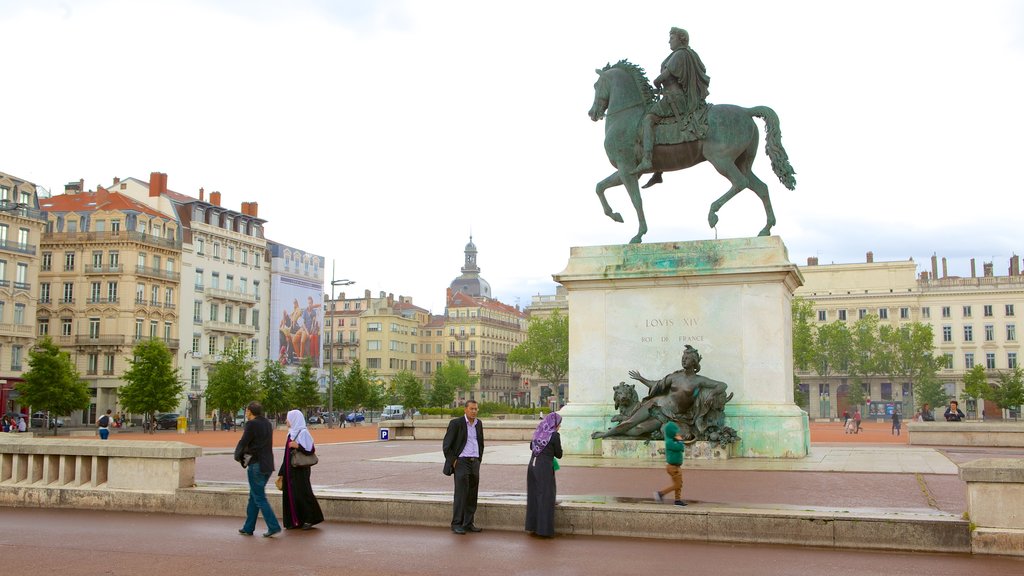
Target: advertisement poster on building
<point>297,313</point>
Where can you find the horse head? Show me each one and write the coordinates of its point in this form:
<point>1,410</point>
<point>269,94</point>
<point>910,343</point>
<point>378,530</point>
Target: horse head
<point>601,91</point>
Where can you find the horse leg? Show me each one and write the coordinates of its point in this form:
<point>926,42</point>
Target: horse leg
<point>761,189</point>
<point>632,185</point>
<point>726,166</point>
<point>603,185</point>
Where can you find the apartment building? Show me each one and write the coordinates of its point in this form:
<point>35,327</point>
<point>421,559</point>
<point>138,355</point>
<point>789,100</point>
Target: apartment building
<point>973,320</point>
<point>109,276</point>
<point>21,228</point>
<point>480,332</point>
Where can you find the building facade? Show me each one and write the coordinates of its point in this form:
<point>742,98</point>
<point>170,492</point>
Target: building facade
<point>21,229</point>
<point>973,319</point>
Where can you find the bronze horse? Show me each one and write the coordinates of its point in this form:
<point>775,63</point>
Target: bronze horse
<point>622,95</point>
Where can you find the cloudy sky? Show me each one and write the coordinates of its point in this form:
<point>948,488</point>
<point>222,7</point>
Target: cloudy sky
<point>380,134</point>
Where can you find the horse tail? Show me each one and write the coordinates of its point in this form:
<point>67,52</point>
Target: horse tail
<point>773,146</point>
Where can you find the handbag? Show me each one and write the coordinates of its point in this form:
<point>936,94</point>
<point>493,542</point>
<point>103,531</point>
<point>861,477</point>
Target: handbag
<point>300,459</point>
<point>279,482</point>
<point>554,464</point>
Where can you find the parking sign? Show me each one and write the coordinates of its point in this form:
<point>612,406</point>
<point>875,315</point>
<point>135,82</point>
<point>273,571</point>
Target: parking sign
<point>384,434</point>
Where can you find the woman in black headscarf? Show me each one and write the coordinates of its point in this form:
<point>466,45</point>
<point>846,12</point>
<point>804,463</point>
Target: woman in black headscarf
<point>540,477</point>
<point>301,510</point>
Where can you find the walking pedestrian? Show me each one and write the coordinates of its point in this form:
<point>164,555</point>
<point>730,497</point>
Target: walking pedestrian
<point>674,449</point>
<point>300,507</point>
<point>255,451</point>
<point>856,420</point>
<point>896,423</point>
<point>103,425</point>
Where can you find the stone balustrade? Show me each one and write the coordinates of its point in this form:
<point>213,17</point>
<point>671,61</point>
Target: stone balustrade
<point>989,434</point>
<point>995,504</point>
<point>97,464</point>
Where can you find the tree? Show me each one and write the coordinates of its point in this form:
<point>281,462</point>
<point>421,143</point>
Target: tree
<point>52,383</point>
<point>456,375</point>
<point>803,333</point>
<point>908,352</point>
<point>376,394</point>
<point>928,389</point>
<point>546,349</point>
<point>153,383</point>
<point>976,384</point>
<point>865,349</point>
<point>276,387</point>
<point>833,347</point>
<point>1010,391</point>
<point>442,394</point>
<point>306,390</point>
<point>233,381</point>
<point>354,389</point>
<point>409,390</point>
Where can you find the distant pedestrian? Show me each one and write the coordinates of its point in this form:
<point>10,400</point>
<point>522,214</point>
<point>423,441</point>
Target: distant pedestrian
<point>926,413</point>
<point>674,449</point>
<point>846,417</point>
<point>541,489</point>
<point>22,426</point>
<point>103,424</point>
<point>255,451</point>
<point>896,423</point>
<point>856,420</point>
<point>953,413</point>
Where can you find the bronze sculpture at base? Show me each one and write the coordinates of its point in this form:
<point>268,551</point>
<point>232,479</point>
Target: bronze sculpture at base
<point>696,403</point>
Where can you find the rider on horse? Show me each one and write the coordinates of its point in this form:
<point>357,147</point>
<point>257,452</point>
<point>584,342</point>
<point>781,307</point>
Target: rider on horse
<point>684,87</point>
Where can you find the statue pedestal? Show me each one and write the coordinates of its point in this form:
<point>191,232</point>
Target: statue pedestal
<point>635,306</point>
<point>655,450</point>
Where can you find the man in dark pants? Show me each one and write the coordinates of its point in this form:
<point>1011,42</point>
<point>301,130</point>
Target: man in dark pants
<point>463,448</point>
<point>255,451</point>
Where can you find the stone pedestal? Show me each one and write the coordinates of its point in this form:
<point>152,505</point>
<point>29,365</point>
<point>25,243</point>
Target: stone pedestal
<point>634,307</point>
<point>995,504</point>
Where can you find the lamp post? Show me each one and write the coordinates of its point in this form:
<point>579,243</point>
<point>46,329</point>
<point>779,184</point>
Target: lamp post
<point>330,359</point>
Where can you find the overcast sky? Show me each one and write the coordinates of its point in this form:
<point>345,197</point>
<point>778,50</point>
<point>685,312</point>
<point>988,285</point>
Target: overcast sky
<point>380,133</point>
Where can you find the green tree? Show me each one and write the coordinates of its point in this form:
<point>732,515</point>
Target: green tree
<point>976,384</point>
<point>52,383</point>
<point>865,349</point>
<point>233,380</point>
<point>928,389</point>
<point>442,394</point>
<point>376,394</point>
<point>856,395</point>
<point>908,352</point>
<point>353,390</point>
<point>409,390</point>
<point>803,333</point>
<point>306,391</point>
<point>833,347</point>
<point>1009,393</point>
<point>456,375</point>
<point>153,383</point>
<point>546,349</point>
<point>276,386</point>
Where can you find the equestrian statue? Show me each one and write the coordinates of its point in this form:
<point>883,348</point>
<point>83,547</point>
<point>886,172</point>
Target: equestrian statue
<point>673,128</point>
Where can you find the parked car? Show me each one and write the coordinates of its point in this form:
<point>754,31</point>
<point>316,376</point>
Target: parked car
<point>393,412</point>
<point>355,417</point>
<point>38,420</point>
<point>167,421</point>
<point>315,419</point>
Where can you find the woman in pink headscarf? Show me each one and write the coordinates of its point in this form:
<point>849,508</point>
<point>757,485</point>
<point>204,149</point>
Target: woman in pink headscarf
<point>540,477</point>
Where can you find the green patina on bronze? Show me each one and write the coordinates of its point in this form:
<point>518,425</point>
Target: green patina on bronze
<point>724,135</point>
<point>699,256</point>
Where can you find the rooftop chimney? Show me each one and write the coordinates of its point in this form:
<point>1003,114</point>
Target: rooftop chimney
<point>987,268</point>
<point>202,195</point>
<point>944,272</point>
<point>924,276</point>
<point>1014,265</point>
<point>215,198</point>
<point>935,266</point>
<point>870,257</point>
<point>254,209</point>
<point>812,260</point>
<point>157,184</point>
<point>974,271</point>
<point>244,209</point>
<point>117,180</point>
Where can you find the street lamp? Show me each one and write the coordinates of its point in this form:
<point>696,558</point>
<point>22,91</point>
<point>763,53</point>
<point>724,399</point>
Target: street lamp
<point>330,359</point>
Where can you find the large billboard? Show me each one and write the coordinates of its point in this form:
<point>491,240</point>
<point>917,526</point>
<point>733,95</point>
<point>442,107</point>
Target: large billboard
<point>297,312</point>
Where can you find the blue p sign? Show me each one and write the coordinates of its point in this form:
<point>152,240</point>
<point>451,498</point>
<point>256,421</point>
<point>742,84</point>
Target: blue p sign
<point>384,434</point>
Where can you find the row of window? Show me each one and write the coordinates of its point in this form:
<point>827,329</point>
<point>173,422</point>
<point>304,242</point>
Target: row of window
<point>926,312</point>
<point>245,257</point>
<point>97,294</point>
<point>144,262</point>
<point>229,314</point>
<point>990,361</point>
<point>989,329</point>
<point>19,196</point>
<point>229,283</point>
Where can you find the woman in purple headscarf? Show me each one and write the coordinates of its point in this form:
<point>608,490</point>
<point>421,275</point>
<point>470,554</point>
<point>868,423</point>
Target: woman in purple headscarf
<point>540,477</point>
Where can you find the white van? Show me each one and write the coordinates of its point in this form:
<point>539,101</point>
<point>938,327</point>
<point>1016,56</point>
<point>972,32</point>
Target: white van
<point>393,412</point>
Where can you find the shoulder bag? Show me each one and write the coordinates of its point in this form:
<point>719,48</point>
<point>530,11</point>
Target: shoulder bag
<point>300,459</point>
